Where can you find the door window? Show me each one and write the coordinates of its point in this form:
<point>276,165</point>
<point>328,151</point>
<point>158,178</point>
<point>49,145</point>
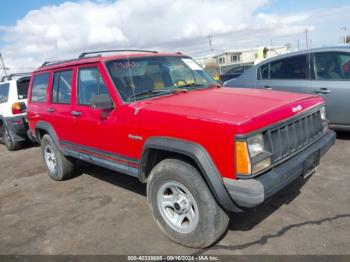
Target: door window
<point>332,66</point>
<point>4,93</point>
<point>90,84</point>
<point>264,72</point>
<point>39,89</point>
<point>289,68</point>
<point>62,87</point>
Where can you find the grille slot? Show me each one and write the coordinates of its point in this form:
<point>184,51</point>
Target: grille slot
<point>292,136</point>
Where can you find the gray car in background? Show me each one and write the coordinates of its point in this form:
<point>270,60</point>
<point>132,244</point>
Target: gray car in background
<point>323,71</point>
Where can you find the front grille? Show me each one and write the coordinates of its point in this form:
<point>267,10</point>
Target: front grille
<point>294,135</point>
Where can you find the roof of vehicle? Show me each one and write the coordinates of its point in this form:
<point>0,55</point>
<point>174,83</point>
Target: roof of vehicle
<point>17,76</point>
<point>84,59</point>
<point>339,48</point>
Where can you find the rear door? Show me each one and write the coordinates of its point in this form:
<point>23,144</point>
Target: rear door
<point>287,74</point>
<point>59,109</point>
<point>37,108</point>
<point>331,71</point>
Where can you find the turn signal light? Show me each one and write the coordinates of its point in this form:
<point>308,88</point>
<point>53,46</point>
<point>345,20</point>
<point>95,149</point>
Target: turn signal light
<point>243,166</point>
<point>18,108</point>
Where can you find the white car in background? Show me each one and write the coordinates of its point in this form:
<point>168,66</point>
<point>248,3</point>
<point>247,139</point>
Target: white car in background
<point>13,108</point>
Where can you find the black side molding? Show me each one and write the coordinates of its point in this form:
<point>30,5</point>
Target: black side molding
<point>200,156</point>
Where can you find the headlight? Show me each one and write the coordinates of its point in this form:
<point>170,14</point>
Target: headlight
<point>256,145</point>
<point>323,113</point>
<point>252,156</point>
<point>324,118</point>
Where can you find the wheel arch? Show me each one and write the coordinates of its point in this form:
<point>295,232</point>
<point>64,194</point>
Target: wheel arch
<point>187,151</point>
<point>43,128</point>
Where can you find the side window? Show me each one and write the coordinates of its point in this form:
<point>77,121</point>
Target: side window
<point>4,93</point>
<point>39,89</point>
<point>90,84</point>
<point>289,68</point>
<point>264,72</point>
<point>22,88</point>
<point>332,66</point>
<point>62,87</point>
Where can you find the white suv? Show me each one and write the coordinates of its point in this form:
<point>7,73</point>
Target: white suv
<point>13,108</point>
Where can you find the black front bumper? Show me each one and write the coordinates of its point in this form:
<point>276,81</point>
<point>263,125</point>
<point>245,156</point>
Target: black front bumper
<point>18,127</point>
<point>252,192</point>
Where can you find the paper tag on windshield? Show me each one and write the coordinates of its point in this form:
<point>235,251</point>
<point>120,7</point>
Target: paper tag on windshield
<point>191,64</point>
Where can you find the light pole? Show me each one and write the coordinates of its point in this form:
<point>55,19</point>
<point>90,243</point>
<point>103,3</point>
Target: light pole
<point>307,38</point>
<point>3,65</point>
<point>346,33</point>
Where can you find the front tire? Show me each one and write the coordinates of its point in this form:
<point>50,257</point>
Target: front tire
<point>183,206</point>
<point>58,166</point>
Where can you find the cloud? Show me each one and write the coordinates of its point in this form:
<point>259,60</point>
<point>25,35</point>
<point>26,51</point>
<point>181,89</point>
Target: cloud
<point>62,31</point>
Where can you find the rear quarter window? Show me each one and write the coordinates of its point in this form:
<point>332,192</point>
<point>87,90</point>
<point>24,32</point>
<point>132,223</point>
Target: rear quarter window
<point>22,89</point>
<point>4,93</point>
<point>39,89</point>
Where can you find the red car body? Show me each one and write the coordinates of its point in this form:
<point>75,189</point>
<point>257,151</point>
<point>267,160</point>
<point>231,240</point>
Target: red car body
<point>211,117</point>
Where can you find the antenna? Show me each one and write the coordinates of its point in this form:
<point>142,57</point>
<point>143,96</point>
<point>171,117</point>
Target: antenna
<point>3,65</point>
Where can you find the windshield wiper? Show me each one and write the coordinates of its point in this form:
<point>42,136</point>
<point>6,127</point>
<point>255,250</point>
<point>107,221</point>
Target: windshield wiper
<point>156,91</point>
<point>193,85</point>
<point>196,85</point>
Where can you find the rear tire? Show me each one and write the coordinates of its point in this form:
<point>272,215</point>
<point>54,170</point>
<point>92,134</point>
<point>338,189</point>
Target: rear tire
<point>7,139</point>
<point>183,206</point>
<point>58,166</point>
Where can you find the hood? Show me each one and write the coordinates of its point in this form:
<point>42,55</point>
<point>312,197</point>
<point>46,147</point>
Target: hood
<point>233,105</point>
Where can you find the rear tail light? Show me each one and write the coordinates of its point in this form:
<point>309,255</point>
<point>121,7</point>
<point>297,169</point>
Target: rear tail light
<point>19,108</point>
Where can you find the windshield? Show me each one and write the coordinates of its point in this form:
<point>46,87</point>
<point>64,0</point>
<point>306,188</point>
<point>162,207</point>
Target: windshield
<point>140,78</point>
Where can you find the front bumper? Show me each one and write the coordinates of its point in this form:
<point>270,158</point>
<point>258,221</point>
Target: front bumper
<point>18,127</point>
<point>254,191</point>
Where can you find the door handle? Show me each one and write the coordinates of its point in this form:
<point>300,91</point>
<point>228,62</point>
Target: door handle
<point>322,91</point>
<point>50,110</point>
<point>76,113</point>
<point>267,87</point>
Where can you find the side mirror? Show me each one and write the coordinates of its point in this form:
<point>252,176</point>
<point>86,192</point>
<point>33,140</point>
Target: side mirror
<point>103,102</point>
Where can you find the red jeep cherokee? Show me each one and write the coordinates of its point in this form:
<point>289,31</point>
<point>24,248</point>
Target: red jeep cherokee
<point>203,150</point>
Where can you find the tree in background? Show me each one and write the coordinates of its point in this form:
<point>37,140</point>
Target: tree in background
<point>348,39</point>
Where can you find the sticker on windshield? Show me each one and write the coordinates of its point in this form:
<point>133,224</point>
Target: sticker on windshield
<point>191,64</point>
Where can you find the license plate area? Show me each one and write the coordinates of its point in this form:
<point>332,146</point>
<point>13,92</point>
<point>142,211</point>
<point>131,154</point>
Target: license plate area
<point>311,163</point>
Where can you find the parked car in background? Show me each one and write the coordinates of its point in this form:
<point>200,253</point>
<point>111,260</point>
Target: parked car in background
<point>323,71</point>
<point>203,150</point>
<point>13,108</point>
<point>234,72</point>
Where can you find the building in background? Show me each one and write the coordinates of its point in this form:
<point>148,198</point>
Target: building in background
<point>220,63</point>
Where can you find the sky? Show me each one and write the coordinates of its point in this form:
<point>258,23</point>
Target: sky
<point>35,31</point>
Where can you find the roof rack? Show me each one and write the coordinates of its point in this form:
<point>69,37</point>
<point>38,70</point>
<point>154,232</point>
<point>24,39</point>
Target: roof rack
<point>82,55</point>
<point>9,77</point>
<point>48,63</point>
